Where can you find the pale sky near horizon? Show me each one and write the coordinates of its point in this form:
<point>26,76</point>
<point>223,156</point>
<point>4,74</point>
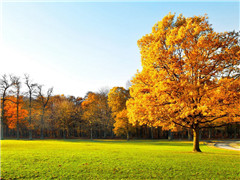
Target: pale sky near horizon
<point>78,47</point>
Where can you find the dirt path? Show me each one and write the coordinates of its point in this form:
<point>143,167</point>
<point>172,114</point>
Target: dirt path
<point>226,145</point>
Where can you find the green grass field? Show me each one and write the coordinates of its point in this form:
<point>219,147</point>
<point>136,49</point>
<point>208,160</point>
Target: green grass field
<point>113,159</point>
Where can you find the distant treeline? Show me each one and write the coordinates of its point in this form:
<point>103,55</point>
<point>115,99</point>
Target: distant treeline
<point>27,111</point>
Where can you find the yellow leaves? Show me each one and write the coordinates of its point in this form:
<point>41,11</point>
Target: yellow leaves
<point>90,99</point>
<point>185,64</point>
<point>122,125</point>
<point>117,98</point>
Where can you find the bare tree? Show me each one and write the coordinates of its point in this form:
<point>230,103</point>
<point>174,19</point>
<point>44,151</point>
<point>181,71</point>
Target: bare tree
<point>31,91</point>
<point>44,101</point>
<point>5,84</point>
<point>17,85</point>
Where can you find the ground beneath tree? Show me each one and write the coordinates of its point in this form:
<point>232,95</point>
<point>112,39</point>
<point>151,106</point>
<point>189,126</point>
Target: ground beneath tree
<point>231,145</point>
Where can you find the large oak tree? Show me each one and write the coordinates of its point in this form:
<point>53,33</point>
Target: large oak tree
<point>189,77</point>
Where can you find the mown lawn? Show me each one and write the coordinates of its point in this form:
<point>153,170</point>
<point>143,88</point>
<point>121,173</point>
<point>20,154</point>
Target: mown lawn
<point>113,159</point>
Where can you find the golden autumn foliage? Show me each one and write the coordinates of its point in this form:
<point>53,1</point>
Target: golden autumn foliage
<point>190,76</point>
<point>90,99</point>
<point>96,112</point>
<point>10,109</point>
<point>63,111</point>
<point>89,107</point>
<point>117,99</point>
<point>121,125</point>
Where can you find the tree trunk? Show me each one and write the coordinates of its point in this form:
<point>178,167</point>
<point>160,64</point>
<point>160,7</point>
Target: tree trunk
<point>226,132</point>
<point>112,133</point>
<point>196,140</point>
<point>17,119</point>
<point>30,117</point>
<point>182,134</point>
<point>42,124</point>
<point>200,134</point>
<point>2,117</point>
<point>235,132</point>
<point>17,130</point>
<point>2,128</point>
<point>7,131</point>
<point>53,135</point>
<point>105,134</point>
<point>158,132</point>
<point>151,132</point>
<point>64,134</point>
<point>222,134</point>
<point>170,134</point>
<point>127,135</point>
<point>99,132</point>
<point>210,133</point>
<point>214,132</point>
<point>91,133</point>
<point>30,134</point>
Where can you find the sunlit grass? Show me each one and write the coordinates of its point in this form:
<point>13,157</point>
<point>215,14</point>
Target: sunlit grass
<point>112,159</point>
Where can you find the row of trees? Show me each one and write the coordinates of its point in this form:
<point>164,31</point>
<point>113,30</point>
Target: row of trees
<point>17,106</point>
<point>190,83</point>
<point>28,113</point>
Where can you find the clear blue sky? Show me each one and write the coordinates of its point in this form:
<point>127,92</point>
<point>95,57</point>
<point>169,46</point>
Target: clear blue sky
<point>78,47</point>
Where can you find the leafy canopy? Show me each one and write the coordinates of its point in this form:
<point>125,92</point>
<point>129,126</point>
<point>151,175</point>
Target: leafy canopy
<point>117,99</point>
<point>190,75</point>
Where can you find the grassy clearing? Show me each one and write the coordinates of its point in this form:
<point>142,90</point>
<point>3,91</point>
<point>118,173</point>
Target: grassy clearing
<point>108,159</point>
